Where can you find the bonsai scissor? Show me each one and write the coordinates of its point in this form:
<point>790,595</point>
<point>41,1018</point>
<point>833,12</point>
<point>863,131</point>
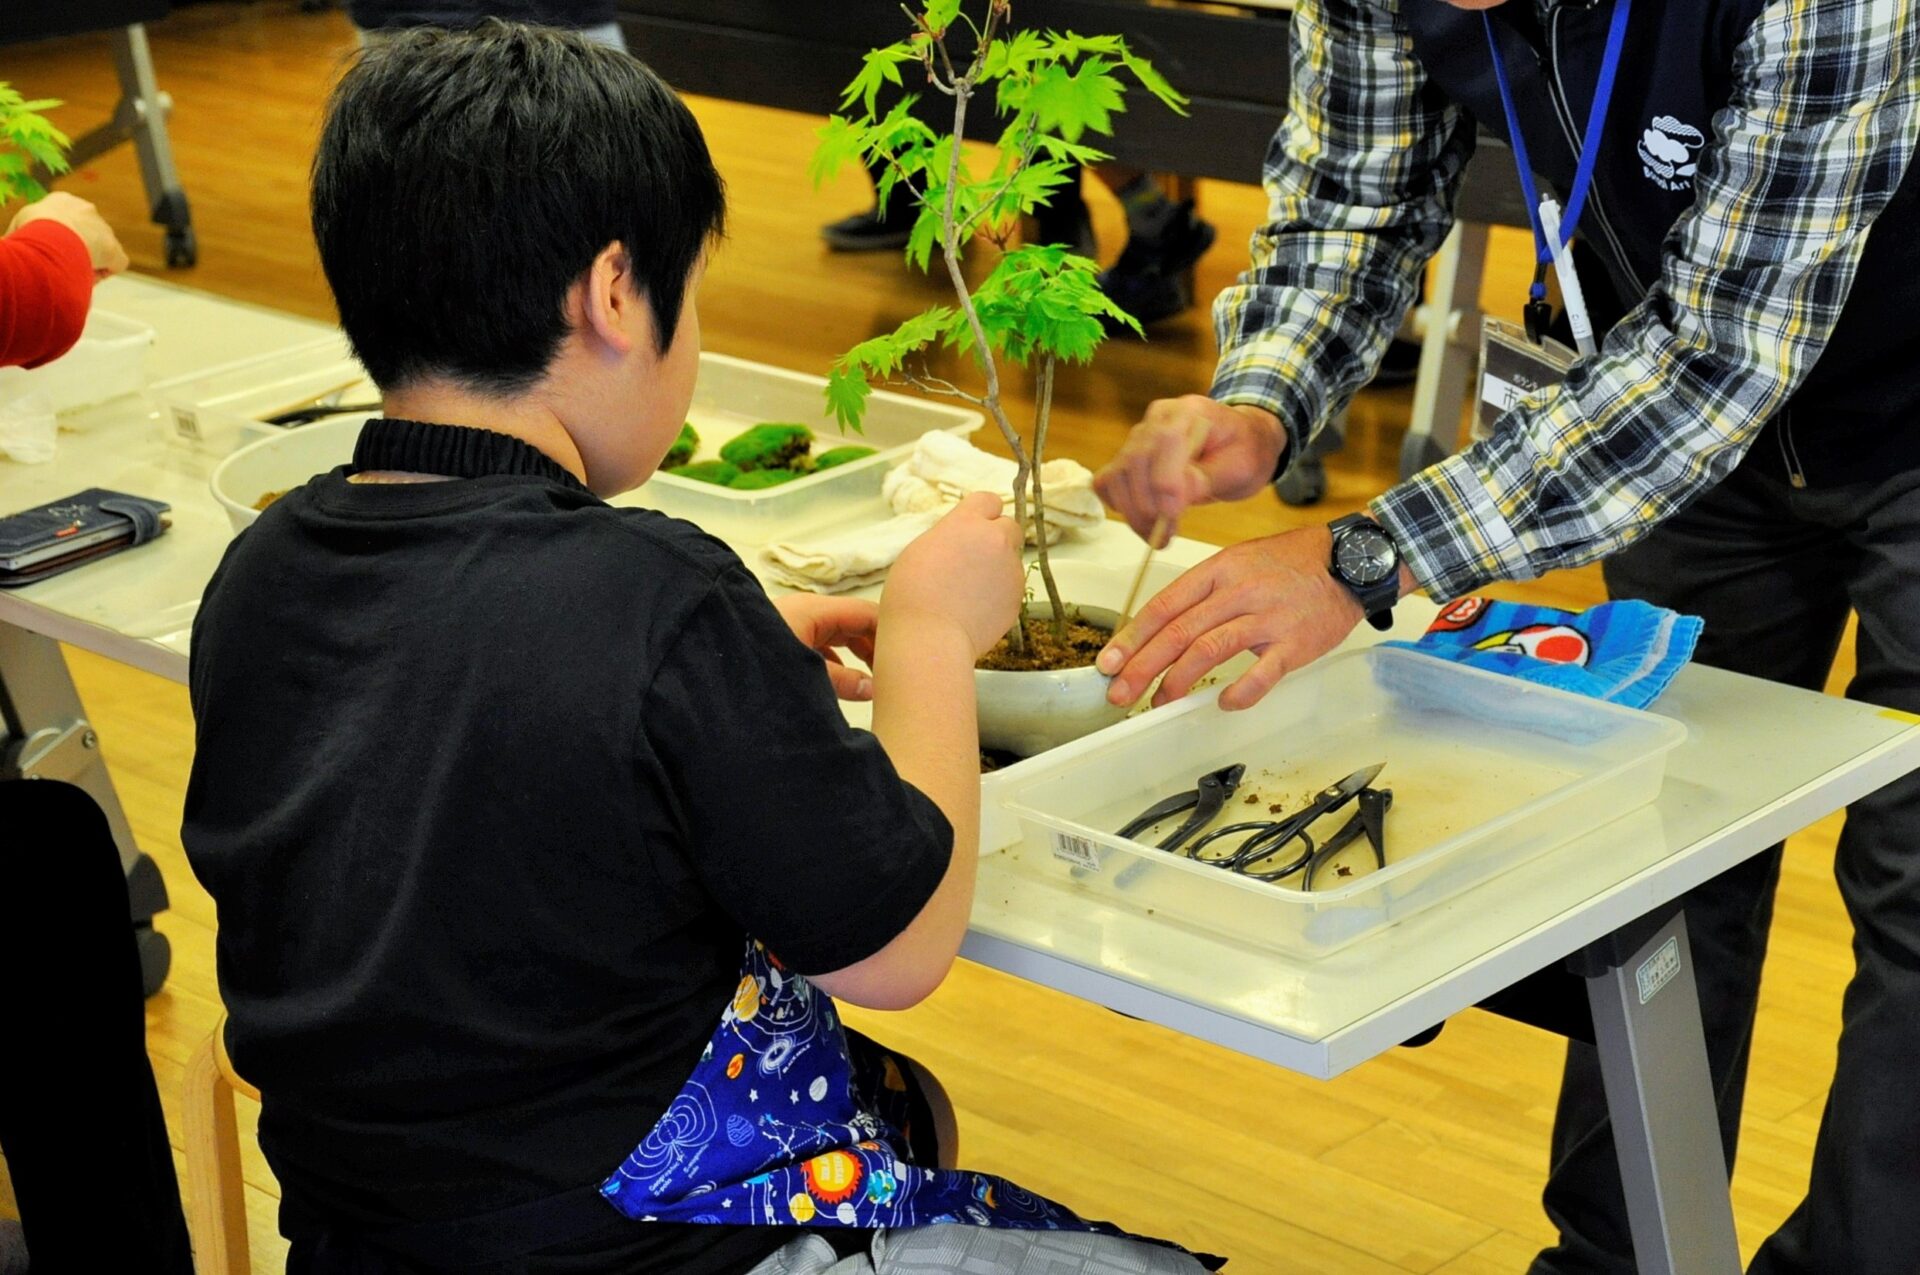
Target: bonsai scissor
<point>1277,848</point>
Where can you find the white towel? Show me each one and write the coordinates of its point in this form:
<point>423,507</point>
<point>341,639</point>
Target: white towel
<point>945,467</point>
<point>846,560</point>
<point>942,469</point>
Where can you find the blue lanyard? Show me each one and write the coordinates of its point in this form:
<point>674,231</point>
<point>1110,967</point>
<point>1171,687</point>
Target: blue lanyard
<point>1589,144</point>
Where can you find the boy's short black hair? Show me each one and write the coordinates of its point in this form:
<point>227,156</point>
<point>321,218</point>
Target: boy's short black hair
<point>466,179</point>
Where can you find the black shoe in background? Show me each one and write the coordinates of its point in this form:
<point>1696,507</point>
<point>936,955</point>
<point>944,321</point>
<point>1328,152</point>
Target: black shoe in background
<point>1149,281</point>
<point>869,231</point>
<point>1066,221</point>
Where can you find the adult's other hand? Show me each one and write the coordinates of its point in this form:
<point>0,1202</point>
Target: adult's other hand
<point>1273,596</point>
<point>1188,451</point>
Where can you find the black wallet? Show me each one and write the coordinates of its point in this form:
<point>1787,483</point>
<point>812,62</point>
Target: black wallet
<point>63,534</point>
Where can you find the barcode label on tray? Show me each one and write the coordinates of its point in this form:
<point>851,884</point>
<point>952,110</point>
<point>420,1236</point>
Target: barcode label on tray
<point>1078,851</point>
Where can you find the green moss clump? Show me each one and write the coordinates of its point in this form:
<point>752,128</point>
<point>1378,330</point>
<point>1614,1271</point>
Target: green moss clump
<point>755,479</point>
<point>683,448</point>
<point>768,446</point>
<point>717,472</point>
<point>841,455</point>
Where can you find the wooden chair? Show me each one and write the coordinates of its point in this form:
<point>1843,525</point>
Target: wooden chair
<point>216,1195</point>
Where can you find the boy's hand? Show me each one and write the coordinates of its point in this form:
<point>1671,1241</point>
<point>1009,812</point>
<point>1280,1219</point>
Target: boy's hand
<point>964,571</point>
<point>825,623</point>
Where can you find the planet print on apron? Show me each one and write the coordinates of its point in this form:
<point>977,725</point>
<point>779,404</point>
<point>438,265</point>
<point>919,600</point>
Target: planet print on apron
<point>776,1128</point>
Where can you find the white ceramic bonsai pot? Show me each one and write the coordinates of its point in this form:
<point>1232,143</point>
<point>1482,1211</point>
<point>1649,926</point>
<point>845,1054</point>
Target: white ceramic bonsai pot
<point>1029,712</point>
<point>280,462</point>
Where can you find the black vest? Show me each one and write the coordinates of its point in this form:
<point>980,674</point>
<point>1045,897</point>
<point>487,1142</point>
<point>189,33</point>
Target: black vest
<point>1856,414</point>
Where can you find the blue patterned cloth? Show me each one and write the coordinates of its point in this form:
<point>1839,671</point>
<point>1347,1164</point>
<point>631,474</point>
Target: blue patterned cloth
<point>776,1127</point>
<point>1623,652</point>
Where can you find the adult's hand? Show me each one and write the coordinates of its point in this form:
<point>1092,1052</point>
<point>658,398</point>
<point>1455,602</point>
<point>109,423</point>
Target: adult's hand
<point>81,217</point>
<point>1188,451</point>
<point>1273,596</point>
<point>825,623</point>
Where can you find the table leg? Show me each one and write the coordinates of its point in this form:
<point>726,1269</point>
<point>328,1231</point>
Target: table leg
<point>1653,1059</point>
<point>45,734</point>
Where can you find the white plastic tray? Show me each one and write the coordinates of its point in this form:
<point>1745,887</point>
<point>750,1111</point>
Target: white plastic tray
<point>732,395</point>
<point>1487,773</point>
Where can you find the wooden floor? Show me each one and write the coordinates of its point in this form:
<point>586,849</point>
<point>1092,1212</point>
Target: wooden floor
<point>1427,1160</point>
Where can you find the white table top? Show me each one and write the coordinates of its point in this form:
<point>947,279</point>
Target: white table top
<point>1743,780</point>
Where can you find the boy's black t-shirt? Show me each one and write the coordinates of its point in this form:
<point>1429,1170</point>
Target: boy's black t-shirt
<point>492,782</point>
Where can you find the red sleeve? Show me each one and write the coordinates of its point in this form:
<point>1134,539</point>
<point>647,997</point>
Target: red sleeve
<point>46,285</point>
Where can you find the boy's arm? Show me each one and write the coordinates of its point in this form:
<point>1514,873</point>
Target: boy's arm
<point>949,598</point>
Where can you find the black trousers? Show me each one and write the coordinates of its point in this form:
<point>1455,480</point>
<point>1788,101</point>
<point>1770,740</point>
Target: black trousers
<point>80,1120</point>
<point>1775,571</point>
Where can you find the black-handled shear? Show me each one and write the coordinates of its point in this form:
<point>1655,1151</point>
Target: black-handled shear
<point>1206,799</point>
<point>1370,820</point>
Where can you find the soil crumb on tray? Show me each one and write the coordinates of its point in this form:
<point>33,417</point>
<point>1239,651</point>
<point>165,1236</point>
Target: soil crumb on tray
<point>1045,651</point>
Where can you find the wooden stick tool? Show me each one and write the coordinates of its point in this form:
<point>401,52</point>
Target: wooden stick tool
<point>1196,442</point>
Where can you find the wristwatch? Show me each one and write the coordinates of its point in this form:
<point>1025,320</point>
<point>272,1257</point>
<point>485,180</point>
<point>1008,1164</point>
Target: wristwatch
<point>1365,561</point>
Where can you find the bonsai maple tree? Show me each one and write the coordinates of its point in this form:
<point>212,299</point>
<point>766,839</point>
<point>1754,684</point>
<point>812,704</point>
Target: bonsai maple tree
<point>1041,303</point>
<point>27,139</point>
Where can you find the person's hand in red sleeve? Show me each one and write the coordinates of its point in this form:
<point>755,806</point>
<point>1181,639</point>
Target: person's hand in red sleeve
<point>52,255</point>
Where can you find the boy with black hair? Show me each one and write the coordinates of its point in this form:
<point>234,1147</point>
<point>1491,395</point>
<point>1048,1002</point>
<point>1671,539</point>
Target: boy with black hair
<point>508,797</point>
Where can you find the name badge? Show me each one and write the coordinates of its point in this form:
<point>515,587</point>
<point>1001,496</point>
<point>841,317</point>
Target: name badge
<point>1513,368</point>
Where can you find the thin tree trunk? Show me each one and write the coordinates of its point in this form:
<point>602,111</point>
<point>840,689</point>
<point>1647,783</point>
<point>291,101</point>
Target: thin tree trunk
<point>950,249</point>
<point>1044,411</point>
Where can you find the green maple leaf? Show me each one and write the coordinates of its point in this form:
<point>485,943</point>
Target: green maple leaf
<point>1153,82</point>
<point>1030,186</point>
<point>1067,45</point>
<point>879,67</point>
<point>33,139</point>
<point>1072,102</point>
<point>841,140</point>
<point>847,393</point>
<point>925,233</point>
<point>1014,55</point>
<point>1071,152</point>
<point>940,15</point>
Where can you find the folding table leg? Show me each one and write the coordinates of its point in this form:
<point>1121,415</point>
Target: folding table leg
<point>45,734</point>
<point>1653,1060</point>
<point>148,122</point>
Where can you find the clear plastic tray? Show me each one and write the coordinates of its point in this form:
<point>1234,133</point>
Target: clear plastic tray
<point>216,410</point>
<point>1487,773</point>
<point>109,359</point>
<point>732,395</point>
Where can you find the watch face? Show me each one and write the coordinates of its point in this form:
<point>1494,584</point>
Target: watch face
<point>1365,556</point>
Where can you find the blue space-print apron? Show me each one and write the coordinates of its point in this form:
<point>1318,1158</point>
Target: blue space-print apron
<point>775,1128</point>
<point>779,1125</point>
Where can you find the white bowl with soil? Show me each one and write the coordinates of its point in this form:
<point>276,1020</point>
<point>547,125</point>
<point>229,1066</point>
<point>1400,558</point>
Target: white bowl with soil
<point>252,477</point>
<point>1031,710</point>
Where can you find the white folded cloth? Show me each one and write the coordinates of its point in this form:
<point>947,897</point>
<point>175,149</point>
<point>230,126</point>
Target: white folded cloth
<point>846,560</point>
<point>942,469</point>
<point>945,467</point>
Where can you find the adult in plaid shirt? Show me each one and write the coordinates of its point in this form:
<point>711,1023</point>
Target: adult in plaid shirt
<point>1744,445</point>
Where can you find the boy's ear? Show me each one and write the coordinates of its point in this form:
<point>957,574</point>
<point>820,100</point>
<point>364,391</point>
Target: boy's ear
<point>613,310</point>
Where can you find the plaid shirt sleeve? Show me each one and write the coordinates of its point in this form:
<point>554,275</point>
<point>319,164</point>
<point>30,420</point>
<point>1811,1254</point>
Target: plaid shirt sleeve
<point>1824,118</point>
<point>1360,179</point>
